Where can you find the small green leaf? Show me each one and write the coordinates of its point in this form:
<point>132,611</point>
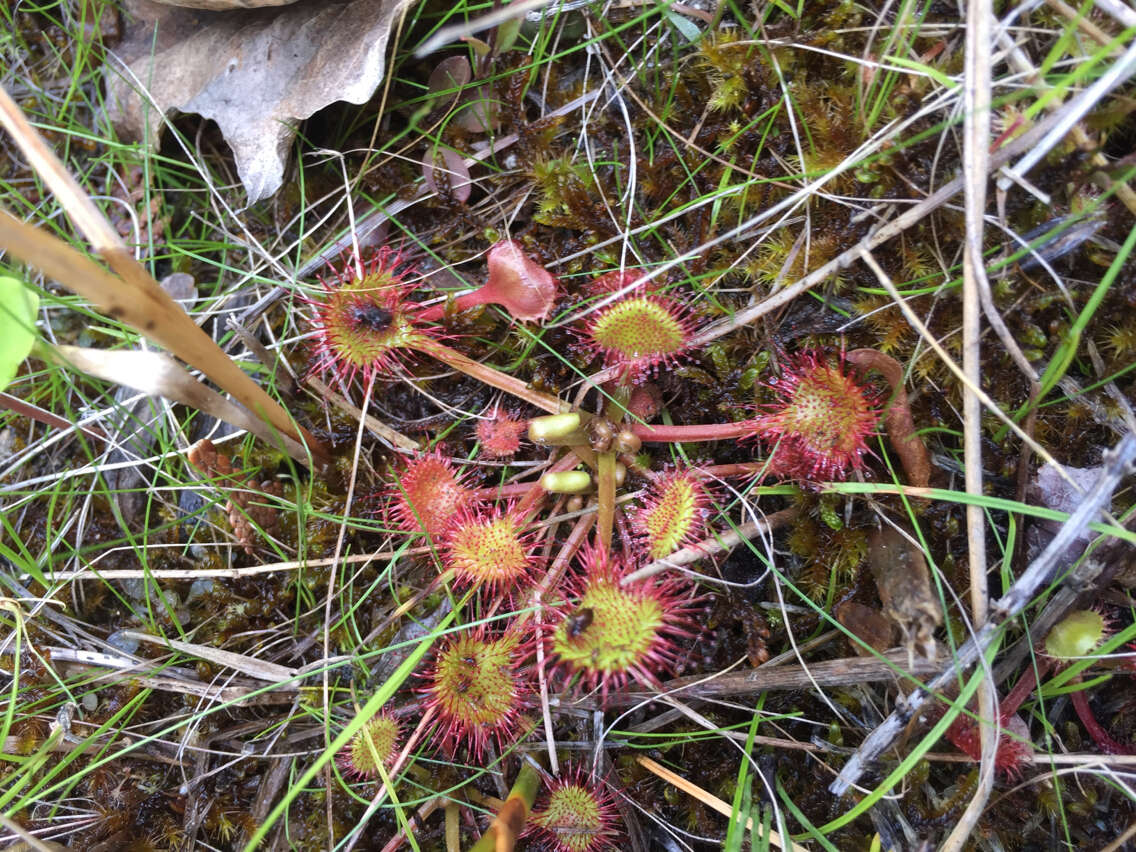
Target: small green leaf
<point>687,28</point>
<point>829,513</point>
<point>19,305</point>
<point>507,34</point>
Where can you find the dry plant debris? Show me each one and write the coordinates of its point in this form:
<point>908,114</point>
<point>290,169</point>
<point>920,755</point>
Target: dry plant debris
<point>249,515</point>
<point>257,73</point>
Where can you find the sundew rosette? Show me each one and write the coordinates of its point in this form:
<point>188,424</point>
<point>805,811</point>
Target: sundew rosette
<point>639,331</point>
<point>609,633</point>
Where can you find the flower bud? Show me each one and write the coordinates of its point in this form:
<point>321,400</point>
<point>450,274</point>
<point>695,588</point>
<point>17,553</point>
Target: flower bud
<point>566,482</point>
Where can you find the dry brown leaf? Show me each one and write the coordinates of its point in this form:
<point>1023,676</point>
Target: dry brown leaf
<point>448,176</point>
<point>449,75</point>
<point>867,624</point>
<point>133,421</point>
<point>256,72</point>
<point>157,374</point>
<point>246,514</point>
<point>906,591</point>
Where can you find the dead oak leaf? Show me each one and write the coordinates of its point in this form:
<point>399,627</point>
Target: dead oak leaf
<point>256,72</point>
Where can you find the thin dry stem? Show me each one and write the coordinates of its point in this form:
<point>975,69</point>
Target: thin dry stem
<point>877,238</point>
<point>385,432</point>
<point>722,542</point>
<point>710,800</point>
<point>925,333</point>
<point>976,160</point>
<point>328,620</point>
<point>135,298</point>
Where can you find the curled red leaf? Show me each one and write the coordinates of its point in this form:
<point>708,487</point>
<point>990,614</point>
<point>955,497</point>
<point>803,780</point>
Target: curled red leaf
<point>908,445</point>
<point>524,287</point>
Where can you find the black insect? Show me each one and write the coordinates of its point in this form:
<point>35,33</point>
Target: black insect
<point>578,621</point>
<point>369,315</point>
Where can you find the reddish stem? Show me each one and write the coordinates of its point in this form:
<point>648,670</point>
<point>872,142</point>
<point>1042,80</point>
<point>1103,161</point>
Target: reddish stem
<point>1100,736</point>
<point>1023,688</point>
<point>48,418</point>
<point>900,424</point>
<point>559,565</point>
<point>519,284</point>
<point>721,471</point>
<point>523,489</point>
<point>464,302</point>
<point>697,432</point>
<point>501,492</point>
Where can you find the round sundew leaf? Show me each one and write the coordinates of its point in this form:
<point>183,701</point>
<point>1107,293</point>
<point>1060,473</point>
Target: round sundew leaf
<point>623,628</point>
<point>639,333</point>
<point>19,305</point>
<point>638,328</point>
<point>476,692</point>
<point>488,547</point>
<point>611,633</point>
<point>819,427</point>
<point>1076,635</point>
<point>376,743</point>
<point>672,515</point>
<point>365,325</point>
<point>426,494</point>
<point>500,434</point>
<point>576,814</point>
